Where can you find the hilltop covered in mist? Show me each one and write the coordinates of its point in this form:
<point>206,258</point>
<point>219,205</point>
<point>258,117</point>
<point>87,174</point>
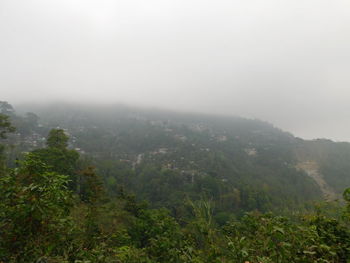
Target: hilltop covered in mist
<point>165,155</point>
<point>116,183</point>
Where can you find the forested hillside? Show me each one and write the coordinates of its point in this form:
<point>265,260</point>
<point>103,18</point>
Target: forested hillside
<point>120,184</point>
<point>206,152</point>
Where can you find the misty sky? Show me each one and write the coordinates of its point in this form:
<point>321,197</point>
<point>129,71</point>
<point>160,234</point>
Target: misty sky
<point>284,61</point>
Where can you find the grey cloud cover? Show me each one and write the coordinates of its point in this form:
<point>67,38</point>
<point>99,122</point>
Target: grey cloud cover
<point>287,62</point>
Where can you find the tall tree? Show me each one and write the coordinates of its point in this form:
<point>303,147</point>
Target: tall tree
<point>92,189</point>
<point>5,126</point>
<point>6,108</point>
<point>58,157</point>
<point>57,138</point>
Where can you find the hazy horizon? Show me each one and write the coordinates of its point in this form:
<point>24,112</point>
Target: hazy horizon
<point>22,108</point>
<point>285,62</point>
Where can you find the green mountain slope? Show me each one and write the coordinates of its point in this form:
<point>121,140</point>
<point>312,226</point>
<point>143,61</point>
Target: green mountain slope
<point>166,157</point>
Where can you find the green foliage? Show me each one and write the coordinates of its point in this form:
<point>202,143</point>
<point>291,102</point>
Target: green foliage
<point>158,234</point>
<point>50,212</point>
<point>63,161</point>
<point>92,190</point>
<point>40,221</point>
<point>346,196</point>
<point>34,210</point>
<point>5,126</point>
<point>58,158</point>
<point>269,238</point>
<point>57,139</point>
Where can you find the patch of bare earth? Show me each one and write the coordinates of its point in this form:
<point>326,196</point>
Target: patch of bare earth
<point>311,169</point>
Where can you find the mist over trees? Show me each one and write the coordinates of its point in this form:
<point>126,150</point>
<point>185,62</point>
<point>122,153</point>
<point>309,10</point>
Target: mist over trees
<point>236,148</point>
<point>124,185</point>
